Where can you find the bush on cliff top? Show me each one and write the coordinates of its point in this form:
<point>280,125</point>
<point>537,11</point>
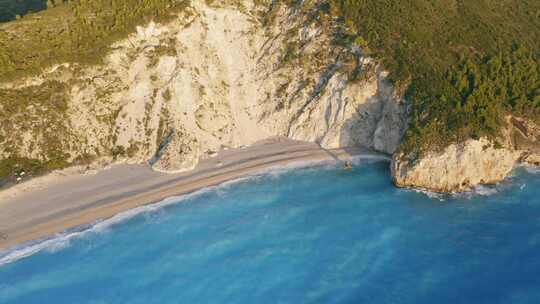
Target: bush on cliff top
<point>79,31</point>
<point>465,63</point>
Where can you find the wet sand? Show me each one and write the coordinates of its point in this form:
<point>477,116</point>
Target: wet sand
<point>77,200</point>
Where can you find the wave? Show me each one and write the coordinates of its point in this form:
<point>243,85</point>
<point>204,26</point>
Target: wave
<point>511,181</point>
<point>480,190</point>
<point>63,239</point>
<point>433,195</point>
<point>325,164</point>
<point>484,190</point>
<point>532,169</point>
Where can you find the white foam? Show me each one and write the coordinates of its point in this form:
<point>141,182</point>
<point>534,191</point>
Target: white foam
<point>62,240</point>
<point>485,190</point>
<point>371,157</point>
<point>479,191</point>
<point>433,195</point>
<point>474,192</point>
<point>532,169</point>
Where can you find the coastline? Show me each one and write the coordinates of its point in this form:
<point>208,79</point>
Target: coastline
<point>79,200</point>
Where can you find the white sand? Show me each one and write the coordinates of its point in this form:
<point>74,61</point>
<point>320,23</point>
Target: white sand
<point>58,202</point>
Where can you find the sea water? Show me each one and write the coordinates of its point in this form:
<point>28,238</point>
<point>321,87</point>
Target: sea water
<point>312,235</point>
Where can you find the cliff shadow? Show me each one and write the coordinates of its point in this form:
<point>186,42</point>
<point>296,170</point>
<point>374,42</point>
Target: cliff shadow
<point>359,130</point>
<point>13,9</point>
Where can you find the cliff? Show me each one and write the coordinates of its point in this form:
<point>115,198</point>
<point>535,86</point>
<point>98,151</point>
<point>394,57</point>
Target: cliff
<point>214,77</point>
<point>460,167</point>
<point>228,75</point>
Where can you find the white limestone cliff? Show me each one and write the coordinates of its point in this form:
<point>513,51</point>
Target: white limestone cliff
<point>220,78</point>
<point>226,75</point>
<point>459,167</point>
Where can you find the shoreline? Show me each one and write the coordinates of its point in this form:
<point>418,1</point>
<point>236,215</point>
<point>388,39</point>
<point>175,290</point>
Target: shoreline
<point>81,200</point>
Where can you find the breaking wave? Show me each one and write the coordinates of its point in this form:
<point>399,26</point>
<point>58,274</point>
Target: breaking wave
<point>63,239</point>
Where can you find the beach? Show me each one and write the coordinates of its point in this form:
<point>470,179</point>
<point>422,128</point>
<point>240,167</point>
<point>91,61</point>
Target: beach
<point>75,200</point>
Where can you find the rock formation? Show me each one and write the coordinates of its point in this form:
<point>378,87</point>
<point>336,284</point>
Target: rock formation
<point>229,75</point>
<point>180,153</point>
<point>221,78</point>
<point>462,166</point>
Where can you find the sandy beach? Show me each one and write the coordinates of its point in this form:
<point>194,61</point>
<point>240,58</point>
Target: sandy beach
<point>34,213</point>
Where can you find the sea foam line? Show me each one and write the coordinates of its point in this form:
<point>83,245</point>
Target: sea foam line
<point>532,169</point>
<point>480,190</point>
<point>63,239</point>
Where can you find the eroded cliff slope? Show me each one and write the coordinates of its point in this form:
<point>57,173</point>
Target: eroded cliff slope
<point>226,74</point>
<point>216,76</point>
<point>477,161</point>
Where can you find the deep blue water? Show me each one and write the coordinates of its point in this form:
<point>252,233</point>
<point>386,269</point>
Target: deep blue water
<point>314,235</point>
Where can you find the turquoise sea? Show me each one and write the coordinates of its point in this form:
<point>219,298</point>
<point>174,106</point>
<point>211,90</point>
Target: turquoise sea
<point>312,235</point>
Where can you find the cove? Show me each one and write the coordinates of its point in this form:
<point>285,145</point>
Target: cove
<point>312,235</point>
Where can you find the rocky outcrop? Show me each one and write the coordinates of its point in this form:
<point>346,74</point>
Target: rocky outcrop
<point>180,153</point>
<point>457,168</point>
<point>525,138</point>
<point>228,74</point>
<point>222,74</point>
<point>393,120</point>
<point>460,167</point>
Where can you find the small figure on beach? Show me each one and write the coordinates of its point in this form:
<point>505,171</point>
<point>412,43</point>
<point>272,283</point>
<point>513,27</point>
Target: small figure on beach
<point>348,165</point>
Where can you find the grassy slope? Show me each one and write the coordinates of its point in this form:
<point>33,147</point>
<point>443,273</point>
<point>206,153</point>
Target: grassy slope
<point>79,32</point>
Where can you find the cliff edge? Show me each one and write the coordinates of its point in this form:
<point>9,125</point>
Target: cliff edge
<point>227,74</point>
<point>459,167</point>
<point>219,75</point>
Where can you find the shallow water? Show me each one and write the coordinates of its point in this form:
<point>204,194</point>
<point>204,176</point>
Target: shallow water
<point>314,235</point>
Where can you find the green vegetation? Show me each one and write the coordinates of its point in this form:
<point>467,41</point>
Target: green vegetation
<point>13,166</point>
<point>474,98</point>
<point>465,63</point>
<point>14,9</point>
<point>40,112</point>
<point>79,31</point>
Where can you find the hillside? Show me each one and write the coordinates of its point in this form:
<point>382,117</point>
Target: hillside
<point>207,77</point>
<point>79,82</point>
<point>464,64</point>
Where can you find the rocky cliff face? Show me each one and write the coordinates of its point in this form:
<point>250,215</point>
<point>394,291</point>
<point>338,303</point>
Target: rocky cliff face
<point>483,161</point>
<point>215,77</point>
<point>457,168</point>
